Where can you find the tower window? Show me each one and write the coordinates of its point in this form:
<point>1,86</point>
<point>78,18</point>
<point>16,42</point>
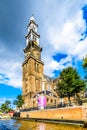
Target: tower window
<point>36,67</point>
<point>55,101</point>
<point>34,38</point>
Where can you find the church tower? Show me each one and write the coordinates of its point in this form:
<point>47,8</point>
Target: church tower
<point>32,67</point>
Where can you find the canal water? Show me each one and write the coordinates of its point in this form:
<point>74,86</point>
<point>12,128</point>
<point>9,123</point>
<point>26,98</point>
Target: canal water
<point>30,125</point>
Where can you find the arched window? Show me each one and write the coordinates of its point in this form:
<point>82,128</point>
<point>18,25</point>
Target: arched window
<point>51,100</point>
<point>36,67</point>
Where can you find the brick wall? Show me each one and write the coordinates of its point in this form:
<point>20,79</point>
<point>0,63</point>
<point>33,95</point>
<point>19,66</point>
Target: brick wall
<point>72,113</point>
<point>84,113</point>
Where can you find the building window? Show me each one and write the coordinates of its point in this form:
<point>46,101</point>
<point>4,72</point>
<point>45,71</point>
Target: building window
<point>36,67</point>
<point>26,86</point>
<point>26,89</point>
<point>51,101</point>
<point>34,38</point>
<point>37,85</point>
<point>47,99</point>
<point>33,103</point>
<point>54,101</point>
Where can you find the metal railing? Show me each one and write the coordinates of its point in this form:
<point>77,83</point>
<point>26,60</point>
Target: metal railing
<point>53,106</point>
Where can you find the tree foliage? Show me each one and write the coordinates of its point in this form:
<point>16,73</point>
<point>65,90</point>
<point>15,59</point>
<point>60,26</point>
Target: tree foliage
<point>5,107</point>
<point>84,65</point>
<point>84,62</point>
<point>19,101</point>
<point>69,83</point>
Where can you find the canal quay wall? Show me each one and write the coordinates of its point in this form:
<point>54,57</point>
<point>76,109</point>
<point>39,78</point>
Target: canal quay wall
<point>69,113</point>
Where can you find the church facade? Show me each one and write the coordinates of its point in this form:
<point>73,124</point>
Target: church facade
<point>34,81</point>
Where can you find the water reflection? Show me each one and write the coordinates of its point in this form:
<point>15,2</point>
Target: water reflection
<point>9,125</point>
<point>30,125</point>
<point>42,126</point>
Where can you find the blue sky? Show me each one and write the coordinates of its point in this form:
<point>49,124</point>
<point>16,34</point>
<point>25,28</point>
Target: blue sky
<point>62,26</point>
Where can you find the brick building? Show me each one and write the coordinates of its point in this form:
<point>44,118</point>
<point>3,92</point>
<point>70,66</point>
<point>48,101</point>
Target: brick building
<point>34,82</point>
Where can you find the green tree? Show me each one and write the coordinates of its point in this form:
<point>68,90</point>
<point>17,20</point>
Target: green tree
<point>8,103</point>
<point>84,65</point>
<point>70,83</point>
<point>19,101</point>
<point>5,107</point>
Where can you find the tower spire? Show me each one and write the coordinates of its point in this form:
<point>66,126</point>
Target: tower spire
<point>32,31</point>
<point>32,18</point>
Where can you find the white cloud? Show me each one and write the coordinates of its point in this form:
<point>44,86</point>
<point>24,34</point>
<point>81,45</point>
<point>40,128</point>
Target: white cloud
<point>11,68</point>
<point>52,65</point>
<point>61,28</point>
<point>66,39</point>
<point>13,72</point>
<point>63,33</point>
<point>81,49</point>
<point>49,67</point>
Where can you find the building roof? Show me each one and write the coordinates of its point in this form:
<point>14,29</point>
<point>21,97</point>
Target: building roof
<point>52,80</point>
<point>49,79</point>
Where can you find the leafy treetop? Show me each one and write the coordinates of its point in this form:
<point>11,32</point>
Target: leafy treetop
<point>69,83</point>
<point>19,101</point>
